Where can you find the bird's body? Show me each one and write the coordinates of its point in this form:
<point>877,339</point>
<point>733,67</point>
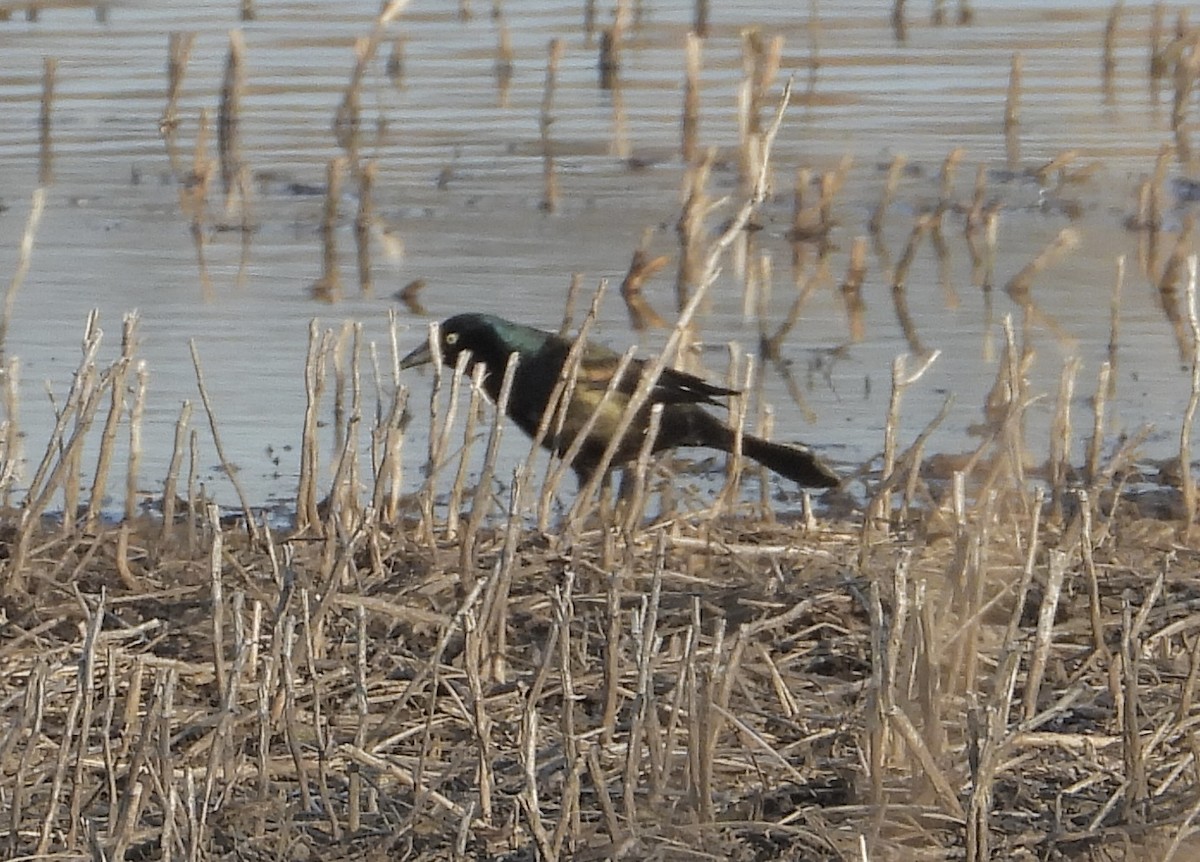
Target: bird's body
<point>542,355</point>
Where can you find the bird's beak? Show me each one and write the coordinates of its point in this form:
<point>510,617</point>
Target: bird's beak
<point>423,355</point>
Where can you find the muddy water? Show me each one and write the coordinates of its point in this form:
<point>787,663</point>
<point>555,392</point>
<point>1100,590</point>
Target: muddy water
<point>115,237</point>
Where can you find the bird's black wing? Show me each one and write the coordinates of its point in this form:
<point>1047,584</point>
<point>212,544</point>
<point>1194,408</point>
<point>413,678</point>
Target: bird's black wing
<point>679,387</point>
<point>598,364</point>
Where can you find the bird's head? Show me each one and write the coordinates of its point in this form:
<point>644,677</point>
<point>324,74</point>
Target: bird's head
<point>481,334</point>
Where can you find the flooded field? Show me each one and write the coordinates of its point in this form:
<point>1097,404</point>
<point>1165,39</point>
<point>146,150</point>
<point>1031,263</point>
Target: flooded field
<point>450,112</point>
<point>954,258</point>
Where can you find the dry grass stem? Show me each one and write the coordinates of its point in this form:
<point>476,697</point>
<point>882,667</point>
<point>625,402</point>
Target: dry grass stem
<point>45,126</point>
<point>545,121</point>
<point>37,205</point>
<point>1189,415</point>
<point>892,180</point>
<point>179,52</point>
<point>226,465</point>
<point>229,147</point>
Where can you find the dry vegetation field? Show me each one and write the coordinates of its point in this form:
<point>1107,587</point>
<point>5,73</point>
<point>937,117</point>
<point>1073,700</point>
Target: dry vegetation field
<point>993,656</point>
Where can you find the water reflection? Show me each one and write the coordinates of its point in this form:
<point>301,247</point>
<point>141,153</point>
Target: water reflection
<point>478,161</point>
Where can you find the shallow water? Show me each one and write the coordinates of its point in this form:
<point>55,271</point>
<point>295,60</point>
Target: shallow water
<point>115,237</point>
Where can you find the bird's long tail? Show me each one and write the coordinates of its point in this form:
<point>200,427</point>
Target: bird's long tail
<point>790,460</point>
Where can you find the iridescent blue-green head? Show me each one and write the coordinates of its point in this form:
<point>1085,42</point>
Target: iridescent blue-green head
<point>490,339</point>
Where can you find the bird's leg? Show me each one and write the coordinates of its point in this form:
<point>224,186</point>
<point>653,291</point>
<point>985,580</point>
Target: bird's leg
<point>607,511</point>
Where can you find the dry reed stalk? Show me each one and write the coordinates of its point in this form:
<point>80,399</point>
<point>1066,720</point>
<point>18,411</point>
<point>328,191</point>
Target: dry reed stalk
<point>71,725</point>
<point>635,505</point>
<point>1019,285</point>
<point>528,798</point>
<point>920,228</point>
<point>504,66</point>
<point>481,501</point>
<point>193,498</point>
<point>347,122</point>
<point>342,499</point>
<point>734,463</point>
<point>1114,320</point>
<point>851,289</point>
<point>458,488</point>
<point>86,682</point>
<point>1187,486</point>
<point>569,815</point>
<point>179,52</point>
<point>45,129</point>
<point>609,62</point>
<point>641,268</point>
<point>760,64</point>
<point>1108,65</point>
<point>1158,64</point>
<point>10,429</point>
<point>1060,438</point>
<point>573,288</point>
<point>217,597</point>
<point>914,458</point>
<point>974,220</point>
<point>354,800</point>
<point>439,427</point>
<point>364,219</point>
<point>1174,267</point>
<point>31,719</point>
<point>1056,569</point>
<point>496,610</point>
<point>550,192</point>
<point>554,417</point>
<point>1086,543</point>
<point>307,515</point>
<point>394,65</point>
<point>805,219</point>
<point>899,23</point>
<point>1012,101</point>
<point>1187,68</point>
<point>879,509</point>
<point>72,475</point>
<point>892,179</point>
<point>481,722</point>
<point>338,356</point>
<point>646,634</point>
<point>1157,193</point>
<point>328,288</point>
<point>1096,443</point>
<point>81,404</point>
<point>37,205</point>
<point>229,119</point>
<point>137,413</point>
<point>599,478</point>
<point>347,118</point>
<point>700,18</point>
<point>389,438</point>
<point>690,123</point>
<point>108,435</point>
<point>229,470</point>
<point>946,185</point>
<point>690,226</point>
<point>612,664</point>
<point>878,737</point>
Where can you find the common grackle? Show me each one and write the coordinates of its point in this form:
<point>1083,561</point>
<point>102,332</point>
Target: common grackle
<point>491,340</point>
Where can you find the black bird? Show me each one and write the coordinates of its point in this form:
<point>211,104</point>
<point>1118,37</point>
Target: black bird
<point>491,340</point>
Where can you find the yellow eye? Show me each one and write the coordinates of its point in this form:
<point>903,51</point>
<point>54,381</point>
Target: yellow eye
<point>451,338</point>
